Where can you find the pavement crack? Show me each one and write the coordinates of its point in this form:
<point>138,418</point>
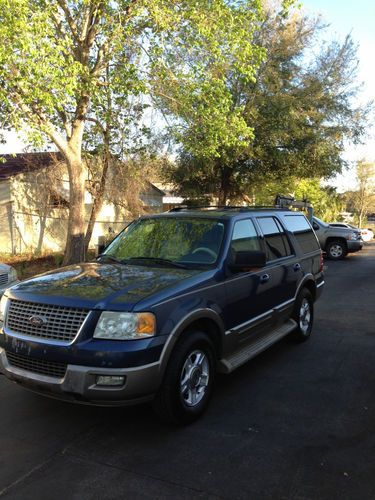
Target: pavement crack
<point>26,475</point>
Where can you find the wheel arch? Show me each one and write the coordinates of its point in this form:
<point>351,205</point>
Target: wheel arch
<point>205,320</point>
<point>340,239</point>
<point>308,283</point>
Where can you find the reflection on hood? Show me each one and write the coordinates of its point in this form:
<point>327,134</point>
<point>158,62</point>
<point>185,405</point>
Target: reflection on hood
<point>98,282</point>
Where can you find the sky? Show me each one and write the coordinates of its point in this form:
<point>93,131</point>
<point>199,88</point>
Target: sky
<point>356,17</point>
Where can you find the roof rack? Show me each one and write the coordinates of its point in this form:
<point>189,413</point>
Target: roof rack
<point>240,208</point>
<point>281,203</point>
<point>290,202</point>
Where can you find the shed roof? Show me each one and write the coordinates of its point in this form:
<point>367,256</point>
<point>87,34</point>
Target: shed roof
<point>20,163</point>
<point>12,165</point>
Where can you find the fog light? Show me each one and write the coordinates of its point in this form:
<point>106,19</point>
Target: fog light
<point>110,380</point>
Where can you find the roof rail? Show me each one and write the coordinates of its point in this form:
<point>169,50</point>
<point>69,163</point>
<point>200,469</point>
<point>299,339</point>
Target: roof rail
<point>240,208</point>
<point>281,203</point>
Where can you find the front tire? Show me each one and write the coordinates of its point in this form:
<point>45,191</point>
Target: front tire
<point>303,314</point>
<point>336,250</point>
<point>188,381</point>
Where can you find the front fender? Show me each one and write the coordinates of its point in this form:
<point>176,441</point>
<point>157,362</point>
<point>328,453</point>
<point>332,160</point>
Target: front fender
<point>183,325</point>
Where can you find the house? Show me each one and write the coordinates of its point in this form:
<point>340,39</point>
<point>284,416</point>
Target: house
<point>170,198</point>
<point>34,203</point>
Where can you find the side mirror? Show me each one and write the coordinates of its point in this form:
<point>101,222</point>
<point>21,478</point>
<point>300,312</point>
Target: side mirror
<point>244,260</point>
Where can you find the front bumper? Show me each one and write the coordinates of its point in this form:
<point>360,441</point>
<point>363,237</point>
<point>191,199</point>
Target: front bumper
<point>79,383</point>
<point>354,245</point>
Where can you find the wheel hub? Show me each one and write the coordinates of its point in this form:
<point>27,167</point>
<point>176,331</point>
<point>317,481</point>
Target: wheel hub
<point>336,251</point>
<point>304,316</point>
<point>194,378</point>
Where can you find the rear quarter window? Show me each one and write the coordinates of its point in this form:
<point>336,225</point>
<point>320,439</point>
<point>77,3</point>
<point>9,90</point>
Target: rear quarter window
<point>299,226</point>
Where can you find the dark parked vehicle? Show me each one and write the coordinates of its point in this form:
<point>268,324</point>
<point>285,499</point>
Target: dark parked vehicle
<point>174,298</point>
<point>8,277</point>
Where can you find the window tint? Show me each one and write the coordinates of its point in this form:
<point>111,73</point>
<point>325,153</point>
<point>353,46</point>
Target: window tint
<point>302,231</point>
<point>277,244</point>
<point>245,237</point>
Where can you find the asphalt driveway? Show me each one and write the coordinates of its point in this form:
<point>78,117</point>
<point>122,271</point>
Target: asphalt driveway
<point>298,422</point>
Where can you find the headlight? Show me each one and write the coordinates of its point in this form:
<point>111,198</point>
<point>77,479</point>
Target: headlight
<point>12,275</point>
<point>3,303</point>
<point>125,326</point>
<point>354,236</point>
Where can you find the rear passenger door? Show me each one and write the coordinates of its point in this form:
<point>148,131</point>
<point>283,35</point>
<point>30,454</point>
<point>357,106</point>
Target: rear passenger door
<point>283,267</point>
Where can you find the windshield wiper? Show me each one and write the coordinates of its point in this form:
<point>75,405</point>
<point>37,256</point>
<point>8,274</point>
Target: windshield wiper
<point>159,260</point>
<point>109,257</point>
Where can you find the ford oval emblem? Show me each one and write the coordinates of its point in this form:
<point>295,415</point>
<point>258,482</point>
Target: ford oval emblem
<point>37,321</point>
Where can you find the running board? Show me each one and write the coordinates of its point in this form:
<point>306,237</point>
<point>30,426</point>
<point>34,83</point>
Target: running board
<point>227,365</point>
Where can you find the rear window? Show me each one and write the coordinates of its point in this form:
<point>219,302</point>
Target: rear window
<point>302,231</point>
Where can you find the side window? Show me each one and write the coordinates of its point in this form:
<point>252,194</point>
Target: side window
<point>276,242</point>
<point>244,236</point>
<point>302,231</point>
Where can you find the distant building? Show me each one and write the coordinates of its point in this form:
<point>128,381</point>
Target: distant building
<point>34,202</point>
<point>170,198</point>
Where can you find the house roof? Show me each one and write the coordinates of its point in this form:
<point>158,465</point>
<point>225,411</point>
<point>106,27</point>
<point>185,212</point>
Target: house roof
<point>20,163</point>
<point>155,188</point>
<point>12,165</point>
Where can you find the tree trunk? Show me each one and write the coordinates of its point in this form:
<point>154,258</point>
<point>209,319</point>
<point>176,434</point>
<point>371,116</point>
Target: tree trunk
<point>224,186</point>
<point>75,244</point>
<point>98,202</point>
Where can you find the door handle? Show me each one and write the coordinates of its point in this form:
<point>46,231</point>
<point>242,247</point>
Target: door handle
<point>264,278</point>
<point>297,267</point>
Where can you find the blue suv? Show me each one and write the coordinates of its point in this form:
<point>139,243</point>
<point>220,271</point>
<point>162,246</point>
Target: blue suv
<point>172,300</point>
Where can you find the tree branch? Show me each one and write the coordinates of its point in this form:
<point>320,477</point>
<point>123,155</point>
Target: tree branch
<point>69,18</point>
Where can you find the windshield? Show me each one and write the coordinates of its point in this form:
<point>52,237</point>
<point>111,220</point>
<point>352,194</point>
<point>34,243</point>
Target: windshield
<point>319,221</point>
<point>184,241</point>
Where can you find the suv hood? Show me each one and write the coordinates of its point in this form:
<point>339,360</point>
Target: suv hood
<point>97,286</point>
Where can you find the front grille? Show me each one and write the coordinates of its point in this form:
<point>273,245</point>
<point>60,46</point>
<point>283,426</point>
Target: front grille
<point>55,322</point>
<point>34,365</point>
<point>3,279</point>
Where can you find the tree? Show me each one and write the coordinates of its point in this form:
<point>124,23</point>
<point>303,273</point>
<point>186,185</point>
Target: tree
<point>300,110</point>
<point>58,59</point>
<point>326,202</point>
<point>363,200</point>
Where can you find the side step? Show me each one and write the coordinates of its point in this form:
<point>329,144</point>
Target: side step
<point>260,344</point>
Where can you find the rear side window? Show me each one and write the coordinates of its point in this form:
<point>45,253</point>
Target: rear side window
<point>302,231</point>
<point>244,236</point>
<point>276,241</point>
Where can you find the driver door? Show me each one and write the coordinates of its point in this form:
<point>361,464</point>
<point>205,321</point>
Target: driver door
<point>247,292</point>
